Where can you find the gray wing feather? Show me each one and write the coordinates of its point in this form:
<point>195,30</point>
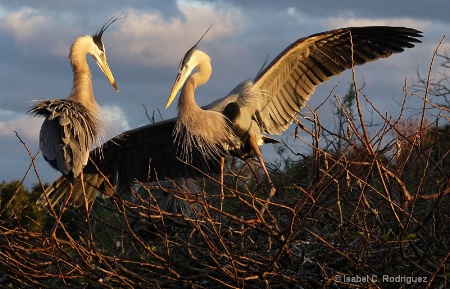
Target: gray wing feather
<point>66,135</point>
<point>52,146</point>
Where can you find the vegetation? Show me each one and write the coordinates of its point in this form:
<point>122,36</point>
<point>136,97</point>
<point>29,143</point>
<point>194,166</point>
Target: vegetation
<point>363,207</point>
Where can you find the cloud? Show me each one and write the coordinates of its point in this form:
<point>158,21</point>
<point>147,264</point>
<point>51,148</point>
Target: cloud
<point>37,32</point>
<point>27,26</point>
<point>115,120</point>
<point>152,38</point>
<point>27,127</point>
<point>334,22</point>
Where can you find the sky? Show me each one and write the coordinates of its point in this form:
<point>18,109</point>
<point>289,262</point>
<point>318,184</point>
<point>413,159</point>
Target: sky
<point>146,46</point>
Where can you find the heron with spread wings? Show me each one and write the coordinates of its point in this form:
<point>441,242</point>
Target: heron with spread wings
<point>268,104</point>
<point>72,126</point>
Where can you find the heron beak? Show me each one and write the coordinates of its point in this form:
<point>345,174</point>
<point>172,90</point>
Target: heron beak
<point>176,87</point>
<point>103,64</point>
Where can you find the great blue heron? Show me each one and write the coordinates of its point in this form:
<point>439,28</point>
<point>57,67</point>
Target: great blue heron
<point>270,102</point>
<point>71,126</point>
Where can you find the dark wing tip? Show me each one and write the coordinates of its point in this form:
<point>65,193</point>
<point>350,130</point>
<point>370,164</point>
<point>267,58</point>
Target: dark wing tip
<point>406,36</point>
<point>383,41</point>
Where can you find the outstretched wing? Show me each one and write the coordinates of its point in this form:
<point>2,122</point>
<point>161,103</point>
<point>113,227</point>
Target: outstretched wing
<point>144,154</point>
<point>292,77</point>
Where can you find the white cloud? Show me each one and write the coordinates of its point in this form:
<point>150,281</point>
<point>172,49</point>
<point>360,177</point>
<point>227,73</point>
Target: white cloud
<point>37,32</point>
<point>115,120</point>
<point>335,22</point>
<point>27,127</point>
<point>26,24</point>
<point>149,37</point>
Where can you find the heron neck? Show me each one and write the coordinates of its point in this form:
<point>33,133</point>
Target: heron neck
<point>82,79</point>
<point>187,100</point>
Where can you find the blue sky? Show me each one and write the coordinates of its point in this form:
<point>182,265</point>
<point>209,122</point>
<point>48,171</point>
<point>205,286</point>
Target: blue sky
<point>144,50</point>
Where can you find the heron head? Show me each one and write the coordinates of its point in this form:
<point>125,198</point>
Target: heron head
<point>190,60</point>
<point>99,53</point>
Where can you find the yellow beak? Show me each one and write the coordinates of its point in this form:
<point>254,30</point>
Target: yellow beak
<point>176,87</point>
<point>103,64</point>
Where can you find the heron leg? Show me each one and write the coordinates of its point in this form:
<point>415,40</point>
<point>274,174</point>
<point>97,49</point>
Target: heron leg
<point>86,207</point>
<point>63,208</point>
<point>255,147</point>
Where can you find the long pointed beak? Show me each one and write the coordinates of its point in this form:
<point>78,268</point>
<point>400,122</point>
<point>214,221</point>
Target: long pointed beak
<point>176,87</point>
<point>105,68</point>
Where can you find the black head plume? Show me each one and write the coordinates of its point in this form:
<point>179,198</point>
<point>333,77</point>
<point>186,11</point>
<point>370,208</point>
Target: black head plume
<point>98,36</point>
<point>190,51</point>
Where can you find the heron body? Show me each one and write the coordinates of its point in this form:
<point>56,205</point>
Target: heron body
<point>72,125</point>
<point>66,135</point>
<point>210,124</point>
<point>269,103</point>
